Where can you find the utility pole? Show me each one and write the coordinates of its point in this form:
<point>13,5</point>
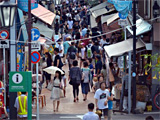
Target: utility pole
<point>13,67</point>
<point>134,55</point>
<point>29,34</point>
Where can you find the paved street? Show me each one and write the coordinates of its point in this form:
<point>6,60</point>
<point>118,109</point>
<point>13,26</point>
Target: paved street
<point>78,117</point>
<point>67,106</point>
<point>74,111</point>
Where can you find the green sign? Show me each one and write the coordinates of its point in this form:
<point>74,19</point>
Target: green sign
<point>18,81</point>
<point>22,82</point>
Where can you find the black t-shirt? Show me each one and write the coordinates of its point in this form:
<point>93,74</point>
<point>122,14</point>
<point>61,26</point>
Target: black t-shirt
<point>57,57</point>
<point>49,62</point>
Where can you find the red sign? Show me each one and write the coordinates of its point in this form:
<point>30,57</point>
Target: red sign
<point>4,34</point>
<point>35,57</point>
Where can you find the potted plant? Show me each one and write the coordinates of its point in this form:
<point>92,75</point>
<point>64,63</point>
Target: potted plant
<point>142,96</point>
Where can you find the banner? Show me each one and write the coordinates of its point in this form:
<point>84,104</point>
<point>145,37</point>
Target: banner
<point>122,6</point>
<point>23,4</point>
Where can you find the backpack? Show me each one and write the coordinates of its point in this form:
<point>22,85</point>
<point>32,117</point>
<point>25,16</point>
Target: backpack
<point>89,52</point>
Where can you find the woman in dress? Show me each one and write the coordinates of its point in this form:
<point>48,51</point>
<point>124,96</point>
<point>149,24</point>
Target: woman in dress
<point>56,91</point>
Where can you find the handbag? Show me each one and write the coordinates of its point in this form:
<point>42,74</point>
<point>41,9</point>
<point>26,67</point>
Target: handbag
<point>50,86</point>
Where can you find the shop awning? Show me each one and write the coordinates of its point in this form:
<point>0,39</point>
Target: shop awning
<point>142,26</point>
<point>102,9</point>
<point>44,30</point>
<point>43,14</point>
<point>123,47</point>
<point>93,22</point>
<point>109,18</point>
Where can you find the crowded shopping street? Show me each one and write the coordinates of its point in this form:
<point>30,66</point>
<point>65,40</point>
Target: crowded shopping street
<point>80,59</point>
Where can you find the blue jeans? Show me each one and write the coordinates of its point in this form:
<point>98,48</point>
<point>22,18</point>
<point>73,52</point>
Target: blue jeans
<point>85,88</point>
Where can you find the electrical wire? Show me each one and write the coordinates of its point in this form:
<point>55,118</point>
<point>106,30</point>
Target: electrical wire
<point>78,39</point>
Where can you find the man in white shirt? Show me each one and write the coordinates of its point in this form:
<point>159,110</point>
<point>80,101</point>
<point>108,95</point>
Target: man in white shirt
<point>101,99</point>
<point>21,105</point>
<point>90,115</point>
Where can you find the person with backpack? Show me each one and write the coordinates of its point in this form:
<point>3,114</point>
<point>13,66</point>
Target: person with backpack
<point>89,50</point>
<point>71,53</point>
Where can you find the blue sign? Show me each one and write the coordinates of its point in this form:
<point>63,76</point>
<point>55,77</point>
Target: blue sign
<point>123,7</point>
<point>35,57</point>
<point>122,16</point>
<point>23,4</point>
<point>35,34</point>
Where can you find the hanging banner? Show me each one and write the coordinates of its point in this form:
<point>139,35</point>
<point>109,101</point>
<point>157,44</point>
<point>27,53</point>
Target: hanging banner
<point>23,4</point>
<point>20,57</point>
<point>122,6</point>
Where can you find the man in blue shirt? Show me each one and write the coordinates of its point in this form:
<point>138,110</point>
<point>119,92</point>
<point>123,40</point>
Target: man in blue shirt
<point>110,105</point>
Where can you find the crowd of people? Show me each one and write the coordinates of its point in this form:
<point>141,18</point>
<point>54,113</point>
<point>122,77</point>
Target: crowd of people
<point>83,55</point>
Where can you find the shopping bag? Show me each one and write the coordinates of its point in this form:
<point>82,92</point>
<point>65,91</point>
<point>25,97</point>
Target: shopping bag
<point>50,86</point>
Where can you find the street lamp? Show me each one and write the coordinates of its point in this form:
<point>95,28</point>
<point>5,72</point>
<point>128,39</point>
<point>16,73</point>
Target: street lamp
<point>7,13</point>
<point>156,10</point>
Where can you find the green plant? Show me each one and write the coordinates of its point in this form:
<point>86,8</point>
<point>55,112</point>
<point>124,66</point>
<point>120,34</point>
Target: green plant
<point>155,67</point>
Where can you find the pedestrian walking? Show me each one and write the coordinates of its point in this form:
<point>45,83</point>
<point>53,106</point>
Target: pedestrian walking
<point>101,99</point>
<point>57,61</point>
<point>56,92</point>
<point>110,104</point>
<point>83,54</point>
<point>64,83</point>
<point>66,46</point>
<point>90,115</point>
<point>71,54</point>
<point>75,76</point>
<point>86,73</point>
<point>21,105</point>
<point>98,66</point>
<point>96,86</point>
<point>49,63</point>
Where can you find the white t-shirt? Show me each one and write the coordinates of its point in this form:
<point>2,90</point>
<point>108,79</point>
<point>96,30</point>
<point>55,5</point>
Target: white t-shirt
<point>83,52</point>
<point>60,47</point>
<point>101,96</point>
<point>90,116</point>
<point>102,42</point>
<point>70,23</point>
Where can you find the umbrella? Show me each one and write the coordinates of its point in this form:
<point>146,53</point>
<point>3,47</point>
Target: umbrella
<point>52,70</point>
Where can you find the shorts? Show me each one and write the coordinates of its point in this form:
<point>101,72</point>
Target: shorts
<point>105,111</point>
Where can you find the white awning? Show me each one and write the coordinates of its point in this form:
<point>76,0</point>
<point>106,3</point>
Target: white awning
<point>142,26</point>
<point>109,18</point>
<point>113,18</point>
<point>123,47</point>
<point>97,7</point>
<point>102,9</point>
<point>93,22</point>
<point>44,30</point>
